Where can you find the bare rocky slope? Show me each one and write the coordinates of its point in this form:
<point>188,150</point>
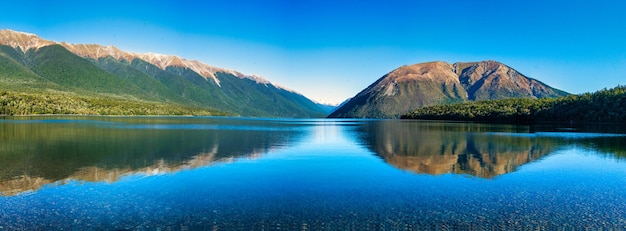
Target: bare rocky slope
<point>433,83</point>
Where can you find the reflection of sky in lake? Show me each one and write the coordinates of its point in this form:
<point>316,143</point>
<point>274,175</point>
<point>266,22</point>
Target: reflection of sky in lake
<point>329,179</point>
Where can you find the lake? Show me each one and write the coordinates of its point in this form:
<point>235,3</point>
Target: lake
<point>189,173</point>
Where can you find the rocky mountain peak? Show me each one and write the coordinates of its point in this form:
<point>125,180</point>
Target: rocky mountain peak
<point>425,84</point>
<point>163,61</point>
<point>160,60</point>
<point>96,51</point>
<point>433,71</point>
<point>21,40</point>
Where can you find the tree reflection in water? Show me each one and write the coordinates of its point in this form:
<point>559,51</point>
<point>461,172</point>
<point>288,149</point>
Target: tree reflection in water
<point>481,150</point>
<point>38,152</point>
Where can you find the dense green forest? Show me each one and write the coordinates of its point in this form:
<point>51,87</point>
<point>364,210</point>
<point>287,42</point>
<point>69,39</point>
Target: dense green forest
<point>21,103</point>
<point>607,105</point>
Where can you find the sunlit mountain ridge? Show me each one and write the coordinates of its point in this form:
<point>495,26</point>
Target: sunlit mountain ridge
<point>33,65</point>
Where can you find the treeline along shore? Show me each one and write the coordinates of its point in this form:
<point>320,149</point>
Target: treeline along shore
<point>607,105</point>
<point>43,103</point>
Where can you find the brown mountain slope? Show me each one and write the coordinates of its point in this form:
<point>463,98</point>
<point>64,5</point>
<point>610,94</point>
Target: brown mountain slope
<point>493,80</point>
<point>432,83</point>
<point>459,148</point>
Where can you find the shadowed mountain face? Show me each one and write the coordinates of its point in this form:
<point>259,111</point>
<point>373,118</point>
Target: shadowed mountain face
<point>484,151</point>
<point>433,83</point>
<point>35,153</point>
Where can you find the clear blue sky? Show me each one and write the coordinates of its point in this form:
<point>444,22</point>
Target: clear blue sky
<point>330,50</point>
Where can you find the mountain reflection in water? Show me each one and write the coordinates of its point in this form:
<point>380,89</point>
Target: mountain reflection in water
<point>315,174</point>
<point>480,150</point>
<point>38,152</point>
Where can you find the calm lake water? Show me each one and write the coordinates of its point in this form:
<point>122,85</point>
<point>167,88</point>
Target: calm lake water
<point>187,173</point>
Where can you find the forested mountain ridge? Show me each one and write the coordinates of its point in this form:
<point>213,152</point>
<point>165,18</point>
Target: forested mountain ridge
<point>41,70</point>
<point>607,105</point>
<point>425,84</point>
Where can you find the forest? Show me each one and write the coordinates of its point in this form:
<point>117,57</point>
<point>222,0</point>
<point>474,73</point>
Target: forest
<point>20,103</point>
<point>606,105</point>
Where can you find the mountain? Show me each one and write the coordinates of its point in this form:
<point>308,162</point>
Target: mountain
<point>328,108</point>
<point>30,64</point>
<point>434,83</point>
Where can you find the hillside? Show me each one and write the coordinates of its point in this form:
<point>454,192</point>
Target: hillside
<point>608,105</point>
<point>30,65</point>
<point>436,83</point>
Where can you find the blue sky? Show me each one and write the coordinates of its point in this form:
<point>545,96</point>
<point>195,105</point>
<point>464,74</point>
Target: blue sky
<point>330,50</point>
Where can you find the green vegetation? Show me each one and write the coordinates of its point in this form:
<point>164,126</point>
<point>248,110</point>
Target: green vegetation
<point>608,105</point>
<point>152,87</point>
<point>53,80</point>
<point>20,103</point>
<point>60,66</point>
